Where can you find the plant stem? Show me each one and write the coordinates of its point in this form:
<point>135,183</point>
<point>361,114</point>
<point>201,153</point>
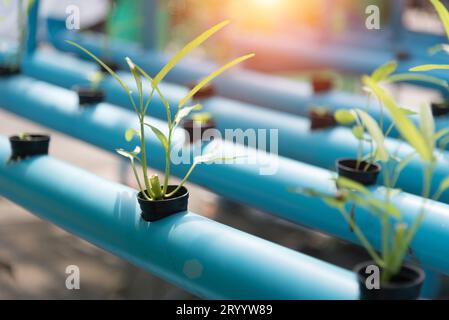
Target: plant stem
<point>167,163</point>
<point>362,238</point>
<point>182,181</point>
<point>144,157</point>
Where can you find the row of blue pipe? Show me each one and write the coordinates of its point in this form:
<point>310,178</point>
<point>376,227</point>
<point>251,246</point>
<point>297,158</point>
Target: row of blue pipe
<point>248,86</point>
<point>295,140</point>
<point>104,126</point>
<point>206,258</point>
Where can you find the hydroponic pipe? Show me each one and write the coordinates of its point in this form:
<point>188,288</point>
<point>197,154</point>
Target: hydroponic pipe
<point>244,182</point>
<point>204,257</point>
<point>252,87</point>
<point>295,140</point>
<point>31,38</point>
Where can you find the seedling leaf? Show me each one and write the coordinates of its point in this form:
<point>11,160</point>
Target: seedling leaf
<point>344,117</point>
<point>162,138</point>
<point>184,51</point>
<point>384,71</point>
<point>443,13</point>
<point>429,67</point>
<point>130,133</point>
<point>184,112</point>
<point>375,133</point>
<point>405,126</point>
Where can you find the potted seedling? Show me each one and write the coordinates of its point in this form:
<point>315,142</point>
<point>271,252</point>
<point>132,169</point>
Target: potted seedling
<point>364,169</point>
<point>12,65</point>
<point>27,145</point>
<point>398,279</point>
<point>92,94</point>
<point>197,124</point>
<point>158,199</point>
<point>321,118</point>
<point>438,109</point>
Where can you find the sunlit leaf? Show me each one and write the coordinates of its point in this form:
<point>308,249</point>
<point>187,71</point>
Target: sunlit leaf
<point>343,182</point>
<point>130,133</point>
<point>384,71</point>
<point>443,13</point>
<point>344,117</point>
<point>129,154</point>
<point>429,67</point>
<point>438,48</point>
<point>112,73</point>
<point>358,132</point>
<point>405,126</point>
<point>418,77</point>
<point>211,76</point>
<point>162,138</point>
<point>184,51</point>
<point>427,124</point>
<point>184,112</point>
<point>375,133</point>
<point>137,78</point>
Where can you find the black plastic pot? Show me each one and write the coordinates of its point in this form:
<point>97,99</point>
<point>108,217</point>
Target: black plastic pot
<point>36,144</point>
<point>153,210</point>
<point>440,109</point>
<point>365,175</point>
<point>322,84</point>
<point>192,127</point>
<point>89,96</point>
<point>404,286</point>
<point>6,71</point>
<point>206,92</point>
<point>321,119</point>
<point>403,55</point>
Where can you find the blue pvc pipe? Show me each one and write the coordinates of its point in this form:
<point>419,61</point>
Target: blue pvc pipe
<point>206,258</point>
<point>295,141</point>
<point>253,87</point>
<point>33,16</point>
<point>104,126</point>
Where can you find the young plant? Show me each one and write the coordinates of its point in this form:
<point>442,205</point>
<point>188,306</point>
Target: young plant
<point>396,234</point>
<point>152,188</point>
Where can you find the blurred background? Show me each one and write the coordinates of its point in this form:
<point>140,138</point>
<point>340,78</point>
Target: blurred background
<point>34,253</point>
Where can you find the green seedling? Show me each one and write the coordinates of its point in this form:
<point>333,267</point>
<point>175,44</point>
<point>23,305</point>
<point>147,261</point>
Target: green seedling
<point>396,234</point>
<point>152,188</point>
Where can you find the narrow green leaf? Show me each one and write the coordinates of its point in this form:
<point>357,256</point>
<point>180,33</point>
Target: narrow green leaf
<point>137,79</point>
<point>375,133</point>
<point>429,67</point>
<point>184,112</point>
<point>112,73</point>
<point>438,48</point>
<point>351,185</point>
<point>129,154</point>
<point>162,138</point>
<point>358,132</point>
<point>184,51</point>
<point>440,134</point>
<point>427,125</point>
<point>384,71</point>
<point>443,13</point>
<point>444,185</point>
<point>407,112</point>
<point>405,126</point>
<point>344,117</point>
<point>213,75</point>
<point>404,163</point>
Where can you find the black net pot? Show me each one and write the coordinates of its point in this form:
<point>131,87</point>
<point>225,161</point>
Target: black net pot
<point>192,127</point>
<point>320,119</point>
<point>154,210</point>
<point>6,71</point>
<point>89,96</point>
<point>366,173</point>
<point>404,286</point>
<point>440,109</point>
<point>35,145</point>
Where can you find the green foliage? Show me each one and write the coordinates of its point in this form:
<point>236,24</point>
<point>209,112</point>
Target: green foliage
<point>151,188</point>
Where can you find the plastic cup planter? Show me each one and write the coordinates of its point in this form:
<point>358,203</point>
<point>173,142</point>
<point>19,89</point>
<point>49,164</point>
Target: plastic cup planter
<point>322,83</point>
<point>321,118</point>
<point>28,145</point>
<point>159,200</point>
<point>92,94</point>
